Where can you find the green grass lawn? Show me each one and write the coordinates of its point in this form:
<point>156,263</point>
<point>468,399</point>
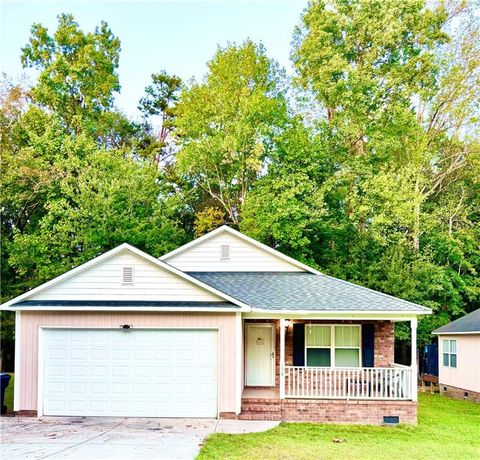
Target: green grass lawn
<point>9,394</point>
<point>447,429</point>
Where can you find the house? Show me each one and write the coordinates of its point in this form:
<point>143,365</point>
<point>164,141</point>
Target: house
<point>223,326</point>
<point>459,357</point>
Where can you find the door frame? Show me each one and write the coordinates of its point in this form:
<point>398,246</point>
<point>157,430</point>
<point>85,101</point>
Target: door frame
<point>41,354</point>
<point>272,326</point>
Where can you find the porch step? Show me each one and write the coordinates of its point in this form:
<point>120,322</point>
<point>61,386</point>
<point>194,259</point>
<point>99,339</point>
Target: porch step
<point>270,416</point>
<point>260,409</point>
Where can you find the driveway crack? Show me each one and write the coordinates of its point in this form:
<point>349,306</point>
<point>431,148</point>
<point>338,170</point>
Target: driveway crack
<point>85,441</point>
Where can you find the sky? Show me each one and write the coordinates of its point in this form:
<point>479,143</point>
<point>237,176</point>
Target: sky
<point>178,36</point>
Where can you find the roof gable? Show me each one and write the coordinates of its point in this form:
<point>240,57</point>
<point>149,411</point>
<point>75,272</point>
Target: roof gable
<point>100,279</point>
<point>207,253</point>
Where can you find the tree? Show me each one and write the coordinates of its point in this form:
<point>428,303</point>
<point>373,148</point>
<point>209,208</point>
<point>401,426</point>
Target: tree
<point>383,191</point>
<point>103,201</point>
<point>78,72</point>
<point>225,127</point>
<point>286,205</point>
<point>161,98</point>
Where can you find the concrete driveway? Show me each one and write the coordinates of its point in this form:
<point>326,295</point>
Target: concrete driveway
<point>92,438</point>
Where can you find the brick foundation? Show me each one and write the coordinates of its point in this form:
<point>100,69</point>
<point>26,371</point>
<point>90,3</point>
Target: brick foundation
<point>26,413</point>
<point>459,393</point>
<point>228,415</point>
<point>328,411</point>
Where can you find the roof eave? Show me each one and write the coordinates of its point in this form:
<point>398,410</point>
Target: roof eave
<point>136,309</point>
<point>455,332</point>
<point>343,313</point>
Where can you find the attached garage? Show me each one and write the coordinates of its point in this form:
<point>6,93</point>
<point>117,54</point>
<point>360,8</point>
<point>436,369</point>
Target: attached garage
<point>134,373</point>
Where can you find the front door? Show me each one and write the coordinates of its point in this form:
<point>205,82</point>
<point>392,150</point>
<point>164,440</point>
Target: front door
<point>260,355</point>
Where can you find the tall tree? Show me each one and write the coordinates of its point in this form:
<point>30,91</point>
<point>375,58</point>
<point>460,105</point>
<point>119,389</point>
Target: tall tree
<point>78,71</point>
<point>389,190</point>
<point>160,100</point>
<point>225,127</point>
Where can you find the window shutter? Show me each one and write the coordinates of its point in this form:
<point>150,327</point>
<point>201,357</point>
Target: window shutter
<point>368,341</point>
<point>298,344</point>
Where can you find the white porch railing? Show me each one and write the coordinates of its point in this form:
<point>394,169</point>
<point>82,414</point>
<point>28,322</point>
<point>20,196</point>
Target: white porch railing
<point>349,383</point>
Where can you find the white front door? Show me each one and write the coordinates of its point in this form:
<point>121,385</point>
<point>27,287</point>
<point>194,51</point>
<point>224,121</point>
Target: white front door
<point>260,355</point>
<point>134,373</point>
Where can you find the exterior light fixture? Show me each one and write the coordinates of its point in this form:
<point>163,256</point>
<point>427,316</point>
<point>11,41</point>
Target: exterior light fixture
<point>287,323</point>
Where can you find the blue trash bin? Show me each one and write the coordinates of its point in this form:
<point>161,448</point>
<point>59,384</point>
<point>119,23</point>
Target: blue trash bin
<point>4,379</point>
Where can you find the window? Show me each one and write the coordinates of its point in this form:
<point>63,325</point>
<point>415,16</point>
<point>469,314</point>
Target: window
<point>225,252</point>
<point>332,345</point>
<point>318,345</point>
<point>449,353</point>
<point>127,275</point>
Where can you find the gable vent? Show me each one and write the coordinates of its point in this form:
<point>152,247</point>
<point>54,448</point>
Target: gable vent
<point>225,252</point>
<point>127,275</point>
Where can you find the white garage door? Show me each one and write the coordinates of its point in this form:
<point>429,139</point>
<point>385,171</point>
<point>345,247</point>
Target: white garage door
<point>135,373</point>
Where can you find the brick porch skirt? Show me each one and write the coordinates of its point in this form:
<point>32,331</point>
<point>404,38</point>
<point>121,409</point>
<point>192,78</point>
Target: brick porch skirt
<point>459,393</point>
<point>327,411</point>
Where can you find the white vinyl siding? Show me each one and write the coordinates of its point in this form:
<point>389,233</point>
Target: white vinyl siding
<point>243,257</point>
<point>135,373</point>
<point>104,282</point>
<point>332,345</point>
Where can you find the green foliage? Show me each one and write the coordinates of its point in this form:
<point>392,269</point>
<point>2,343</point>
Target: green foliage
<point>77,70</point>
<point>225,125</point>
<point>373,175</point>
<point>102,201</point>
<point>383,190</point>
<point>161,98</point>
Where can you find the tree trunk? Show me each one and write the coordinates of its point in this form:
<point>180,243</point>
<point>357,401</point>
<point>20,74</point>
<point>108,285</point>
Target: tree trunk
<point>416,218</point>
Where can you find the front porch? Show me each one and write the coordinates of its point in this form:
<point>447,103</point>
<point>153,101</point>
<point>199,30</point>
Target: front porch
<point>331,371</point>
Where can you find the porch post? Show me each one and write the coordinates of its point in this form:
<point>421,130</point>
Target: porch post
<point>238,362</point>
<point>18,361</point>
<point>282,359</point>
<point>413,324</point>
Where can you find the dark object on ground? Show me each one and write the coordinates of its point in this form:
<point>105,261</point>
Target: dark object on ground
<point>4,379</point>
<point>430,360</point>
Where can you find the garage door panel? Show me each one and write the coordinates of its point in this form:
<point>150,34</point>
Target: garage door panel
<point>144,373</point>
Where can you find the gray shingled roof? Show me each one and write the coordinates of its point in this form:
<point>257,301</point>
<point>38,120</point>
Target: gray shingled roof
<point>467,323</point>
<point>302,291</point>
<point>125,303</point>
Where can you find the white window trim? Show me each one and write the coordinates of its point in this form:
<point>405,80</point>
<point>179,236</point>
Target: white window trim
<point>332,346</point>
<point>449,353</point>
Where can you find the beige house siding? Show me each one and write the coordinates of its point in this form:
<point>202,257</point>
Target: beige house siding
<point>104,282</point>
<point>467,373</point>
<point>32,321</point>
<point>206,256</point>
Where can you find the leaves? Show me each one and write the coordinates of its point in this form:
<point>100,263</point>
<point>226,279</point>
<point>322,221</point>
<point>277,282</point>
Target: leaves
<point>365,165</point>
<point>225,125</point>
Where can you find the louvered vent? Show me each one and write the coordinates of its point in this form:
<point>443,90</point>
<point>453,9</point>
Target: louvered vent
<point>127,275</point>
<point>225,252</point>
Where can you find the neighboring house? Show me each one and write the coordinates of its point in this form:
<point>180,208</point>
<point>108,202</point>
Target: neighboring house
<point>223,326</point>
<point>459,357</point>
